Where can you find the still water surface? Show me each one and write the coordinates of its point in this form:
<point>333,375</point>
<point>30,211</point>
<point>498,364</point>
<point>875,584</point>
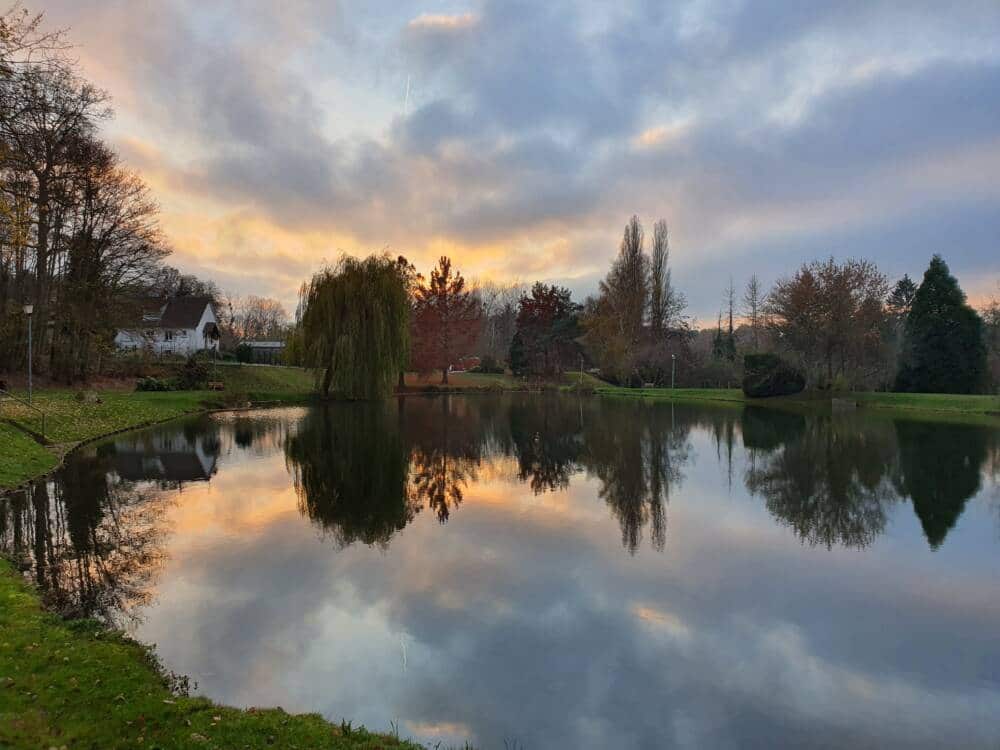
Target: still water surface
<point>551,571</point>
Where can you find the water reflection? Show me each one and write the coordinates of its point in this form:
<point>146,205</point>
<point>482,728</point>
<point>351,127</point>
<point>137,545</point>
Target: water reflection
<point>351,473</point>
<point>93,543</point>
<point>362,473</point>
<point>826,478</point>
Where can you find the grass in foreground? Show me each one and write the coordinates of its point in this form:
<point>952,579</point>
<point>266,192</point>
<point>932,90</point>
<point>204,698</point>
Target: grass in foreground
<point>75,685</point>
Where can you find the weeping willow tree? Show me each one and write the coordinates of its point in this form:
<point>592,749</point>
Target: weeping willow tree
<point>355,327</point>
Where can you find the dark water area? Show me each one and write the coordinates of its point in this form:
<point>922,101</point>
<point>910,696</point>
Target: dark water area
<point>551,571</point>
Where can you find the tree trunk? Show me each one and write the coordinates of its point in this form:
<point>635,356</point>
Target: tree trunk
<point>444,375</point>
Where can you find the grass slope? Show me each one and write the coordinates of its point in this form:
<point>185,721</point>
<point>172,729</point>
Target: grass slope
<point>21,457</point>
<point>263,382</point>
<point>75,685</point>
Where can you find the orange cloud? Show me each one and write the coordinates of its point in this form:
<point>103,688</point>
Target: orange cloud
<point>443,21</point>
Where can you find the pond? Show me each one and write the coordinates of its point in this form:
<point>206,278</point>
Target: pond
<point>551,571</point>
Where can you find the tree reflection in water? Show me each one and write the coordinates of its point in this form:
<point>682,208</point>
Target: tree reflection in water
<point>829,481</point>
<point>95,533</point>
<point>350,468</point>
<point>364,471</point>
<point>446,439</point>
<point>637,451</point>
<point>832,478</point>
<point>940,468</point>
<point>94,541</point>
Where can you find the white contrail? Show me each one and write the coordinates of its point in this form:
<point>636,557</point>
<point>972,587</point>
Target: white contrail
<point>406,100</point>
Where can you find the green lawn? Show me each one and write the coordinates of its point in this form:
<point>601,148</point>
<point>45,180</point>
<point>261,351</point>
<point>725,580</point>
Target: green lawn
<point>21,457</point>
<point>926,402</point>
<point>943,402</point>
<point>76,685</point>
<point>572,378</point>
<point>674,394</point>
<point>261,382</point>
<point>459,380</point>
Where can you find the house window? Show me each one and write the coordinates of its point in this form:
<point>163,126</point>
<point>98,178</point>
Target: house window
<point>182,334</point>
<point>169,335</point>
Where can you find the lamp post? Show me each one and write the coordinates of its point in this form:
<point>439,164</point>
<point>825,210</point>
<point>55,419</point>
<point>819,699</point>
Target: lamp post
<point>673,369</point>
<point>28,309</point>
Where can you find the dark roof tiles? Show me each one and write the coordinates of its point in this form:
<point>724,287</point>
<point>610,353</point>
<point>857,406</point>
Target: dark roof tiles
<point>184,312</point>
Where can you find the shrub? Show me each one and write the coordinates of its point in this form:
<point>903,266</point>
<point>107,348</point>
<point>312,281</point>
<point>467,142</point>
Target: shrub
<point>244,353</point>
<point>490,366</point>
<point>194,375</point>
<point>155,384</point>
<point>769,375</point>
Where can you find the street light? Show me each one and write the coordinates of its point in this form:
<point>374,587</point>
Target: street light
<point>673,369</point>
<point>28,309</point>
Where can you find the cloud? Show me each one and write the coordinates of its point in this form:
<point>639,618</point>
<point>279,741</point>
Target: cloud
<point>535,130</point>
<point>442,22</point>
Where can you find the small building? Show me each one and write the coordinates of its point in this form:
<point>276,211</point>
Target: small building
<point>182,325</point>
<point>265,352</point>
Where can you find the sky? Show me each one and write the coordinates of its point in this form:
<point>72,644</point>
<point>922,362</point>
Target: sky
<point>519,137</point>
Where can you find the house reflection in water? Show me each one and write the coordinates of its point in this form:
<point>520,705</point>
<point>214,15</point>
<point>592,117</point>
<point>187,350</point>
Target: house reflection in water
<point>165,457</point>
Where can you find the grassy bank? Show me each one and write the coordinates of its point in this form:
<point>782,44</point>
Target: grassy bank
<point>69,420</point>
<point>21,457</point>
<point>674,394</point>
<point>75,685</point>
<point>942,403</point>
<point>939,402</point>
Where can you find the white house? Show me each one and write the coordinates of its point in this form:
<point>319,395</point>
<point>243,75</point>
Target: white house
<point>184,325</point>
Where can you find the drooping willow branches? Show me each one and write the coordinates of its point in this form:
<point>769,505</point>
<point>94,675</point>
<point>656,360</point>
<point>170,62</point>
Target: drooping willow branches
<point>355,327</point>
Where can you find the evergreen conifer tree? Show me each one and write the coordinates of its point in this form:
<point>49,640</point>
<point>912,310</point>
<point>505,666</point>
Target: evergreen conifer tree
<point>943,349</point>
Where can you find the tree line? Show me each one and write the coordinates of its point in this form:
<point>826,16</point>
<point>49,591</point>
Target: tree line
<point>80,238</point>
<point>841,323</point>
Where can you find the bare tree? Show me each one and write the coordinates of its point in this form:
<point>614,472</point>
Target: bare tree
<point>752,308</point>
<point>48,120</point>
<point>23,42</point>
<point>626,285</point>
<point>256,318</point>
<point>832,314</point>
<point>499,303</point>
<point>113,243</point>
<point>666,304</point>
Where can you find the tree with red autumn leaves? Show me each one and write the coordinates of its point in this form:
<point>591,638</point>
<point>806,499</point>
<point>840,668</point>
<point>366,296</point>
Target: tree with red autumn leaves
<point>446,318</point>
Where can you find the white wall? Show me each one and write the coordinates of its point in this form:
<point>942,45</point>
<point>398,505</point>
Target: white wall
<point>182,341</point>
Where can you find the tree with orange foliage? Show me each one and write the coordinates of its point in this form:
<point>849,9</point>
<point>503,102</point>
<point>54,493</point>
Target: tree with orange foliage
<point>446,318</point>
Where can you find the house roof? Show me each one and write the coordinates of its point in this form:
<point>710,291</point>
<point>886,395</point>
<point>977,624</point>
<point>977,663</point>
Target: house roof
<point>183,312</point>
